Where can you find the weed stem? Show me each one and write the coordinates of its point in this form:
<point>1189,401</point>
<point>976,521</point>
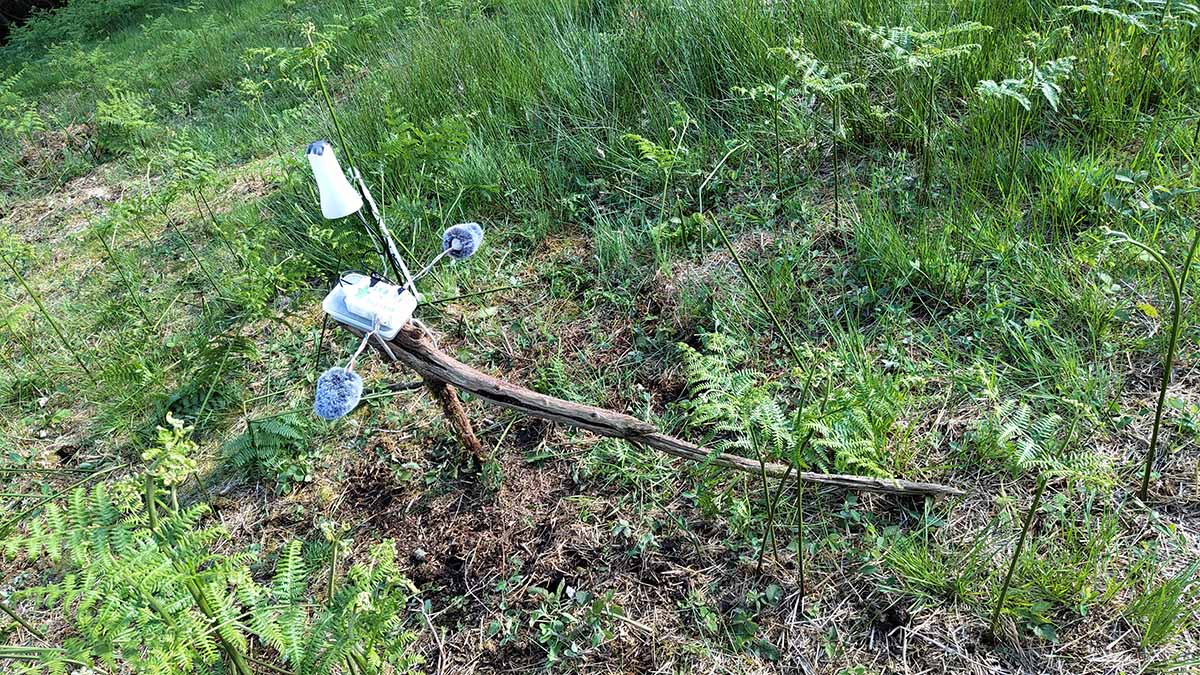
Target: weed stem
<point>1012,565</point>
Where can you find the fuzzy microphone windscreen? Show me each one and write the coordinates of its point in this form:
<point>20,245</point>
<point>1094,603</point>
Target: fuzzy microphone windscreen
<point>338,391</point>
<point>461,241</point>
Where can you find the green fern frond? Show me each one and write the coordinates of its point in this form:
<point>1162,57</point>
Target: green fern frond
<point>918,50</point>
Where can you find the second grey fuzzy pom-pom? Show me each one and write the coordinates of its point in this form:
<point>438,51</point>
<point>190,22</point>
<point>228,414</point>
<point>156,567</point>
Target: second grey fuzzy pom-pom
<point>461,241</point>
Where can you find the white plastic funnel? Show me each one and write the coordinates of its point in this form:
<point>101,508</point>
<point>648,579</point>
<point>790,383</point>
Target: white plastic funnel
<point>338,198</point>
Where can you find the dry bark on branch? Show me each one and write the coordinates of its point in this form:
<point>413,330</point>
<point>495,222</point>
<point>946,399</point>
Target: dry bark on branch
<point>415,349</point>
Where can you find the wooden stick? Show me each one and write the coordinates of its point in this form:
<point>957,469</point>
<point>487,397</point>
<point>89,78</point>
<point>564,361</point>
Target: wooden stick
<point>413,348</point>
<point>452,408</point>
<point>681,448</point>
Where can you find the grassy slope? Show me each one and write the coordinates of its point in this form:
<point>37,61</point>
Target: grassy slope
<point>926,313</point>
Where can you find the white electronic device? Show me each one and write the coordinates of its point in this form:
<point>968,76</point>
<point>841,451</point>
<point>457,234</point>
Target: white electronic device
<point>368,303</point>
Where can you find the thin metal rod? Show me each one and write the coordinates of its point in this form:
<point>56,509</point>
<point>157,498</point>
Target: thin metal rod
<point>433,262</point>
<point>394,253</point>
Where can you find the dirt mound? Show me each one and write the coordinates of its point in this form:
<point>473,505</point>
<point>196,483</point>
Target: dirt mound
<point>43,155</point>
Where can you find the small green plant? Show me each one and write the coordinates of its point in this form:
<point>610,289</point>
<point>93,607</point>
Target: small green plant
<point>920,53</point>
<point>208,389</point>
<point>124,121</point>
<point>146,590</point>
<point>703,614</point>
<point>743,624</point>
<point>1044,80</point>
<point>140,583</point>
<point>740,412</point>
<point>569,623</point>
<point>359,626</point>
<point>173,458</point>
<point>1168,609</point>
<point>815,82</point>
<point>1025,441</point>
<point>274,447</point>
<point>424,154</point>
<point>19,117</point>
<point>667,159</point>
<point>1159,201</point>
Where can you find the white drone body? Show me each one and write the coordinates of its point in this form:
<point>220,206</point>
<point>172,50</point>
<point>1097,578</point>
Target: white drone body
<point>368,303</point>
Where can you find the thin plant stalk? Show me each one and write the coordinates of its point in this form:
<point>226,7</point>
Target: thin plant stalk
<point>196,257</point>
<point>12,613</point>
<point>199,198</point>
<point>778,157</point>
<point>137,222</point>
<point>331,585</point>
<point>775,321</point>
<point>378,232</point>
<point>337,125</point>
<point>137,301</point>
<point>50,319</point>
<point>268,666</point>
<point>799,451</point>
<point>231,650</point>
<point>762,300</point>
<point>200,419</point>
<point>1176,286</point>
<point>319,345</point>
<point>235,655</point>
<point>148,484</point>
<point>705,183</point>
<point>1151,53</point>
<point>25,653</point>
<point>766,490</point>
<point>926,159</point>
<point>23,470</point>
<point>1012,565</point>
<point>667,171</point>
<point>475,294</point>
<point>783,335</point>
<point>1168,366</point>
<point>837,171</point>
<point>1014,153</point>
<point>800,531</point>
<point>1169,363</point>
<point>926,168</point>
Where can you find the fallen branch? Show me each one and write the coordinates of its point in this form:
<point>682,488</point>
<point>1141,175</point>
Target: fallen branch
<point>415,349</point>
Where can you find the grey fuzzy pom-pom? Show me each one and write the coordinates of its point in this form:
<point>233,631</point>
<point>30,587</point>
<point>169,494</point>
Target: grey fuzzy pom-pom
<point>338,391</point>
<point>461,241</point>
